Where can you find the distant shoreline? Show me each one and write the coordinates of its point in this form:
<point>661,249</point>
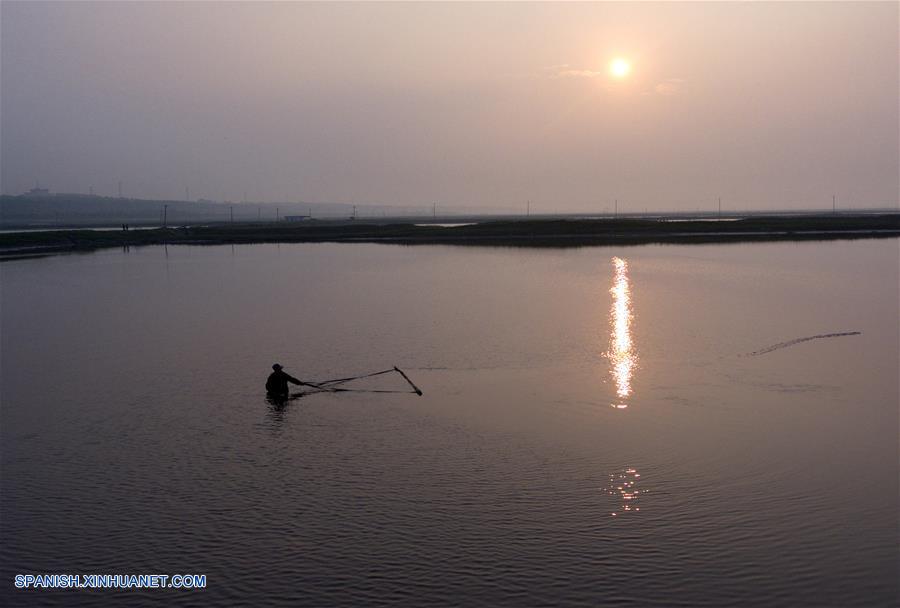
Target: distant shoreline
<point>522,233</point>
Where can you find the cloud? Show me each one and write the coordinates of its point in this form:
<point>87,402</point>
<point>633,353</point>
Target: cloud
<point>579,74</point>
<point>564,70</point>
<point>670,86</point>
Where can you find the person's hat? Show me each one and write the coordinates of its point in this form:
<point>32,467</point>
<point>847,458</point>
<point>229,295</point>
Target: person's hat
<point>276,367</point>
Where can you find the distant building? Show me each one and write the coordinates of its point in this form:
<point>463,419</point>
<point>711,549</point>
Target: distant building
<point>37,192</point>
<point>297,218</point>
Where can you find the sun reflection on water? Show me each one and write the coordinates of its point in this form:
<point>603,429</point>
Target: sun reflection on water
<point>623,484</point>
<point>621,348</point>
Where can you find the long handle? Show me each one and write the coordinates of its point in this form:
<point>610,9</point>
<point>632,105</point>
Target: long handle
<point>415,388</point>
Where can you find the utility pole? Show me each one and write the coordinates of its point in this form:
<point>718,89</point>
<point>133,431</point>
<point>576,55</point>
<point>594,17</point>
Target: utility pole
<point>187,193</point>
<point>165,215</point>
<point>833,204</point>
<point>616,212</point>
<point>720,206</point>
<point>120,189</point>
<point>528,209</point>
<point>276,214</point>
<point>258,213</point>
<point>434,211</point>
<point>232,214</point>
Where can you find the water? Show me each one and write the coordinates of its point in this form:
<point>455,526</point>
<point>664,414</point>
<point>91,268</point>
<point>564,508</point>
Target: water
<point>60,229</point>
<point>449,225</point>
<point>136,438</point>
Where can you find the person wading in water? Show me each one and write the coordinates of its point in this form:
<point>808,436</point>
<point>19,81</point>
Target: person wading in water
<point>277,383</point>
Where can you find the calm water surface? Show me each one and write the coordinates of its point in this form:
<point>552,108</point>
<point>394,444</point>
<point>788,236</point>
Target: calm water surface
<point>592,430</point>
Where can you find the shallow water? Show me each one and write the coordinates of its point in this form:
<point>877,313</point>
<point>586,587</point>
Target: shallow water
<point>136,437</point>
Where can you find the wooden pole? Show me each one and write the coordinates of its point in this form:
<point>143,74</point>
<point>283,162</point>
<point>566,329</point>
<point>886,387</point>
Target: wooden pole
<point>415,388</point>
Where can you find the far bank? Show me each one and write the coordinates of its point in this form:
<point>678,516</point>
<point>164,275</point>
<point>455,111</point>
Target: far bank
<point>521,233</point>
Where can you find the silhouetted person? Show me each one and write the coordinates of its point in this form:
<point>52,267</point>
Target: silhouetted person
<point>277,384</point>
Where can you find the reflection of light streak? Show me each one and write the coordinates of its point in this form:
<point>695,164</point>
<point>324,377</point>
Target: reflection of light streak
<point>621,349</point>
<point>624,485</point>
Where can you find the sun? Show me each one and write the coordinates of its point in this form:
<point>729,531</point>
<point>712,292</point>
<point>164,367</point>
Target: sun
<point>619,67</point>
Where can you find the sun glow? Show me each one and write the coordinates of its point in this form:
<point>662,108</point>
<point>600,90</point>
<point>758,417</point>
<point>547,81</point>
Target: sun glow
<point>619,68</point>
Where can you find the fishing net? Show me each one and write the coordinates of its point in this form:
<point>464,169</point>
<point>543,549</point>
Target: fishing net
<point>365,383</point>
<point>781,345</point>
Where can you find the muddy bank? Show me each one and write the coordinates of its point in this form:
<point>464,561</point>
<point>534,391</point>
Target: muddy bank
<point>528,233</point>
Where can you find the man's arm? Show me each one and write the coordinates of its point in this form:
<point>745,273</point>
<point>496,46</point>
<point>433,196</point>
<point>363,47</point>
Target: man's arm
<point>293,380</point>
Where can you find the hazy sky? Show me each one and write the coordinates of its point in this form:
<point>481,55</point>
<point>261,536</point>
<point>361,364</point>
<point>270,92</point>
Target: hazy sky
<point>768,104</point>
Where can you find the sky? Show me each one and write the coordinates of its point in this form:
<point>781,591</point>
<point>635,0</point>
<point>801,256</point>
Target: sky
<point>766,105</point>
